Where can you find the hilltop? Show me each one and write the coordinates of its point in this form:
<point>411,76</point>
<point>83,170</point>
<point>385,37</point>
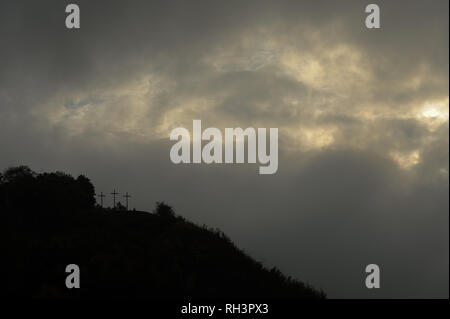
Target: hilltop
<point>121,254</point>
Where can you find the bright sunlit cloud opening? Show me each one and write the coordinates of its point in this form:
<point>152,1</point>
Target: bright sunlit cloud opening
<point>437,111</point>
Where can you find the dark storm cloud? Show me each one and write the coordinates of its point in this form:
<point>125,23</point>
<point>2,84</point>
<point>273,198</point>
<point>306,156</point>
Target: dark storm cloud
<point>363,172</point>
<point>117,39</point>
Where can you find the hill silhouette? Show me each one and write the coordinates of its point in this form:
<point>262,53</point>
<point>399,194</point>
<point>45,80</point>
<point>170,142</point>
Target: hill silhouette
<point>54,218</point>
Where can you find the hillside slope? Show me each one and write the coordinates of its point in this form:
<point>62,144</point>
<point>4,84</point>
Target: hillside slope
<point>123,254</point>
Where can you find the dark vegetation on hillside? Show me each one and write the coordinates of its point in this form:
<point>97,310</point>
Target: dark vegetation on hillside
<point>52,221</point>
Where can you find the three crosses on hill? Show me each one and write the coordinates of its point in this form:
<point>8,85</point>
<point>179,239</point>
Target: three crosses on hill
<point>114,193</point>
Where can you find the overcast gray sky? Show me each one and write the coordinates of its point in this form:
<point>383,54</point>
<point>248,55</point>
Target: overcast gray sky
<point>363,118</point>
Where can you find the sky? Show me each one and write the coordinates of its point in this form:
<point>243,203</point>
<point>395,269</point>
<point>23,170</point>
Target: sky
<point>362,114</point>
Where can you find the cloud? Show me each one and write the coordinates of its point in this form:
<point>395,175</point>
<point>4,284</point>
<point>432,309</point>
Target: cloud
<point>362,115</point>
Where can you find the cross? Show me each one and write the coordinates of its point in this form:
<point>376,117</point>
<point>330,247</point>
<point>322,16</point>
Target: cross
<point>126,199</point>
<point>114,197</point>
<point>101,198</point>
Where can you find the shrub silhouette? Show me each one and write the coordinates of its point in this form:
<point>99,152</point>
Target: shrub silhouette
<point>53,217</point>
<point>164,211</point>
<point>120,207</point>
